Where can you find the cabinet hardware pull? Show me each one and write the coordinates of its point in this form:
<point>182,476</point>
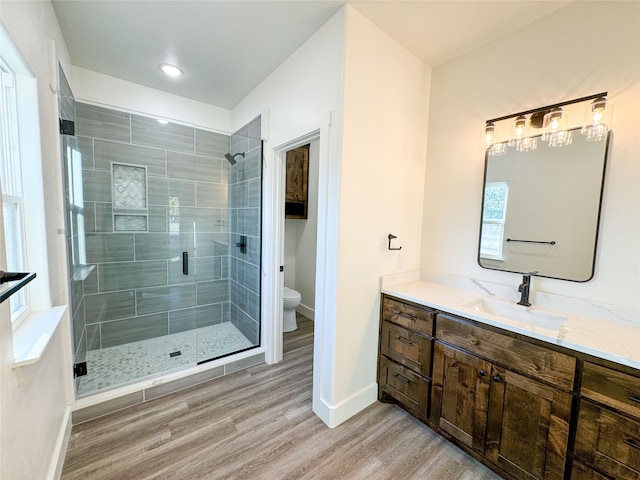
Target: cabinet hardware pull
<point>406,315</point>
<point>634,398</point>
<point>633,443</point>
<point>482,373</point>
<point>185,263</point>
<point>404,380</point>
<point>496,378</point>
<point>404,340</point>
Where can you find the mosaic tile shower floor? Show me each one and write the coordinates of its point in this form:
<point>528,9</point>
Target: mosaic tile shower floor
<point>112,366</point>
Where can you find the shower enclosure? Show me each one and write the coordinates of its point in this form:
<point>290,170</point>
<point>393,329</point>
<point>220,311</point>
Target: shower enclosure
<point>163,236</point>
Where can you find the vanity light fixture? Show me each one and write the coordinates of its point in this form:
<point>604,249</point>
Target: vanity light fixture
<point>520,138</point>
<point>555,128</point>
<point>553,121</point>
<point>520,127</point>
<point>491,143</point>
<point>597,119</point>
<point>171,70</point>
<point>489,134</point>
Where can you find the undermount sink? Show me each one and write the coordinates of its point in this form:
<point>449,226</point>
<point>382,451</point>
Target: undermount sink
<point>530,315</point>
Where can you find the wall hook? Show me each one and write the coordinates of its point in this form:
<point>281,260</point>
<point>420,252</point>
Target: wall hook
<point>391,237</point>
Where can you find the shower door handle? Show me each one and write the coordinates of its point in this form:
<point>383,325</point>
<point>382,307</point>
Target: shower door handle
<point>185,263</point>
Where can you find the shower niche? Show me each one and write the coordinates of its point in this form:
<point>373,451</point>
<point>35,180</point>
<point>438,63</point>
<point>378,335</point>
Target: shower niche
<point>154,213</point>
<point>129,193</point>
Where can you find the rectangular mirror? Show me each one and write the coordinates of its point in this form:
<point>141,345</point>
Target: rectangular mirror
<point>541,209</point>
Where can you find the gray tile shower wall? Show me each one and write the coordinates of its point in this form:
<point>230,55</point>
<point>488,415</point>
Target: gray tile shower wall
<point>245,194</point>
<point>137,289</point>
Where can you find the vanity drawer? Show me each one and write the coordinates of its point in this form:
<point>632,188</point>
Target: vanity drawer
<point>610,387</point>
<point>532,360</point>
<point>409,389</point>
<point>408,315</point>
<point>406,347</point>
<point>608,441</point>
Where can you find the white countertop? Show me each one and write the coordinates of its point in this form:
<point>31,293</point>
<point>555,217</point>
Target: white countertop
<point>617,341</point>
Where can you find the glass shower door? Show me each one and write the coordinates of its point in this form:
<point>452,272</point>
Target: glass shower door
<point>243,237</point>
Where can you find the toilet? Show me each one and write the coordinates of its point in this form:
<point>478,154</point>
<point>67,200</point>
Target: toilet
<point>291,300</point>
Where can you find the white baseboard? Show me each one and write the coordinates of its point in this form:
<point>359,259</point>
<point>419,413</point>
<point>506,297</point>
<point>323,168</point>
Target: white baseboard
<point>60,450</point>
<point>334,415</point>
<point>306,311</point>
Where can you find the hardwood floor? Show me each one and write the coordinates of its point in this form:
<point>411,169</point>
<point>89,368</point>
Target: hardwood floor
<point>258,424</point>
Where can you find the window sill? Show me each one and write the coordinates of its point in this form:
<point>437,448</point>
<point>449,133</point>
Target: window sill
<point>31,338</point>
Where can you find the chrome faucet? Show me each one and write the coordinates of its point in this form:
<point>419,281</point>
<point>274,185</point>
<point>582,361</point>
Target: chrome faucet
<point>524,288</point>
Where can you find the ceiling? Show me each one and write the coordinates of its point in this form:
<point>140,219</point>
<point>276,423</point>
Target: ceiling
<point>227,47</point>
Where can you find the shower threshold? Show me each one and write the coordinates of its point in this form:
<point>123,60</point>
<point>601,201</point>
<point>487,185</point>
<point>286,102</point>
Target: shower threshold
<point>115,366</point>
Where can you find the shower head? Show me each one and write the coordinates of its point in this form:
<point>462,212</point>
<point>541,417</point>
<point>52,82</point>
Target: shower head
<point>232,158</point>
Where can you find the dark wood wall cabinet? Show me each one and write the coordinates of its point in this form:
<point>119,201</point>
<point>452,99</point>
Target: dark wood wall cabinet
<point>297,183</point>
<point>523,407</point>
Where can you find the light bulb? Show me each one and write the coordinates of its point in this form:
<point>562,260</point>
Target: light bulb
<point>519,133</point>
<point>555,132</point>
<point>520,126</point>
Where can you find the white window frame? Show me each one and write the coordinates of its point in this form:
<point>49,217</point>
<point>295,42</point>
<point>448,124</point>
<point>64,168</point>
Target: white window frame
<point>495,254</point>
<point>12,191</point>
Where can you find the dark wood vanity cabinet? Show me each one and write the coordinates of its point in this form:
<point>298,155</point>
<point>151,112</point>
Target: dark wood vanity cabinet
<point>608,432</point>
<point>495,398</point>
<point>525,408</point>
<point>404,366</point>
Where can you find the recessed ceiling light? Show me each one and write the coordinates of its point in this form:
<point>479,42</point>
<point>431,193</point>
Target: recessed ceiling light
<point>170,70</point>
<point>162,121</point>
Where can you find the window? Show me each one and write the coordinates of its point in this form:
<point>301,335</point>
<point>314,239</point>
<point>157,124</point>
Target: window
<point>11,183</point>
<point>494,212</point>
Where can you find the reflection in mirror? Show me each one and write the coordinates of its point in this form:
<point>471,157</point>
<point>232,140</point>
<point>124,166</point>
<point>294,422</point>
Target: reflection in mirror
<point>541,209</point>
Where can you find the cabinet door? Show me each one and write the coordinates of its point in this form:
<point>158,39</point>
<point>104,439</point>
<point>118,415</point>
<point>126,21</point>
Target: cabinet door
<point>528,426</point>
<point>460,395</point>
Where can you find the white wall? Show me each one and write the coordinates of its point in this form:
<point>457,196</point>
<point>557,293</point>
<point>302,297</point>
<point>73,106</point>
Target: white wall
<point>300,242</point>
<point>582,49</point>
<point>383,161</point>
<point>303,96</point>
<point>34,413</point>
<point>103,89</point>
<point>369,186</point>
